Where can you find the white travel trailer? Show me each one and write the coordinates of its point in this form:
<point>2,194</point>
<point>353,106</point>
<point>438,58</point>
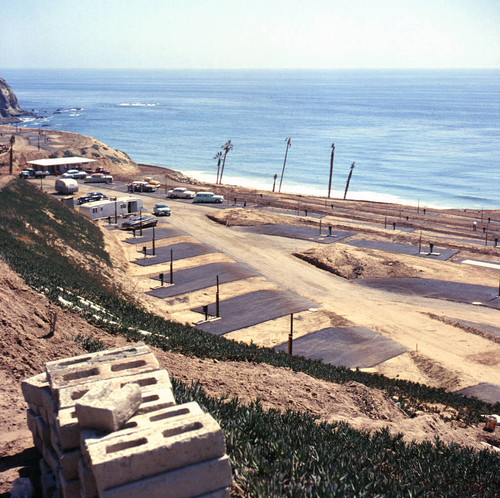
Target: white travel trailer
<point>66,186</point>
<point>111,208</point>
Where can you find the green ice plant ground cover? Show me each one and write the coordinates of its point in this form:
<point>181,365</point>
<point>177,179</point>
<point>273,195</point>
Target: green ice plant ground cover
<point>272,453</point>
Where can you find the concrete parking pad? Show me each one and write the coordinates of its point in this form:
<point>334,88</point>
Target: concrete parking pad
<point>201,277</point>
<point>250,309</point>
<point>485,264</point>
<point>181,250</point>
<point>160,233</point>
<point>438,289</point>
<point>302,232</point>
<point>484,391</point>
<point>437,253</point>
<point>350,347</point>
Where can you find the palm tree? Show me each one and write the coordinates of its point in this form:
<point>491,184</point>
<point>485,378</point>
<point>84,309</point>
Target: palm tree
<point>226,148</point>
<point>331,170</point>
<point>219,157</point>
<point>348,180</point>
<point>288,145</point>
<point>274,182</point>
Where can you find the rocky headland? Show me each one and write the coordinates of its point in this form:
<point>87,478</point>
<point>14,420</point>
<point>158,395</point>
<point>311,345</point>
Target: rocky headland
<point>10,110</point>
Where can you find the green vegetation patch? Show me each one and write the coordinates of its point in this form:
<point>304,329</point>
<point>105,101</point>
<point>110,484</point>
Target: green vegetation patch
<point>292,454</point>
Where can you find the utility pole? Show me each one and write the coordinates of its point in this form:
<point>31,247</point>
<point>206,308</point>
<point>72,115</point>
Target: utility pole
<point>288,145</point>
<point>331,170</point>
<point>12,140</point>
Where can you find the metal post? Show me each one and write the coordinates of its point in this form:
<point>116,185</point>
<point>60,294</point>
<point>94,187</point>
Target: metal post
<point>154,247</point>
<point>140,222</point>
<point>320,228</point>
<point>217,309</point>
<point>144,250</point>
<point>116,211</point>
<point>205,310</point>
<point>171,266</point>
<point>394,225</point>
<point>290,335</point>
<point>162,276</point>
<point>329,230</point>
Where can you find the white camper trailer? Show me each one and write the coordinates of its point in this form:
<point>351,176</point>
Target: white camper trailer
<point>111,208</point>
<point>66,186</point>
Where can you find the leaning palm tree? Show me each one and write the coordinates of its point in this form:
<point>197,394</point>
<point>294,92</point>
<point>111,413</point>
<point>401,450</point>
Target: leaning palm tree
<point>219,157</point>
<point>226,148</point>
<point>348,180</point>
<point>288,145</point>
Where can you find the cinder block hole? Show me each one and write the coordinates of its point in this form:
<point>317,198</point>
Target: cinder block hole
<point>150,381</point>
<point>79,394</point>
<point>69,363</point>
<point>73,414</point>
<point>130,364</point>
<point>152,397</point>
<point>114,353</point>
<point>162,416</point>
<point>126,445</point>
<point>81,375</point>
<point>182,430</point>
<point>129,425</point>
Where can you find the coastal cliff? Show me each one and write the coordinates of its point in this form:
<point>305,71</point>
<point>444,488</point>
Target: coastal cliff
<point>10,111</point>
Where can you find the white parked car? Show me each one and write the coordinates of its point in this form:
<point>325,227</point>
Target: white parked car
<point>181,193</point>
<point>98,178</point>
<point>74,173</point>
<point>161,209</point>
<point>208,197</point>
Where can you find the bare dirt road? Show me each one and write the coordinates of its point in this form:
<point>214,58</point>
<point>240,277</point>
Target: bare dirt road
<point>439,354</point>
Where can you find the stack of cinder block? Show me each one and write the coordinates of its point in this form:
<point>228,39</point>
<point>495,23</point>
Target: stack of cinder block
<point>107,425</point>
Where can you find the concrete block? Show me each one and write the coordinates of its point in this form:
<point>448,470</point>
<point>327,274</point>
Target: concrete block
<point>31,388</point>
<point>87,481</point>
<point>68,460</point>
<point>141,422</point>
<point>70,488</point>
<point>194,480</point>
<point>108,407</point>
<point>31,420</point>
<point>50,457</point>
<point>128,351</point>
<point>47,480</point>
<point>43,429</point>
<point>90,372</point>
<point>68,396</point>
<point>68,428</point>
<point>173,444</point>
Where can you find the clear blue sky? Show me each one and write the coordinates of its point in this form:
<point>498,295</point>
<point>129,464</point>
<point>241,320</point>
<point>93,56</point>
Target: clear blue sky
<point>249,34</point>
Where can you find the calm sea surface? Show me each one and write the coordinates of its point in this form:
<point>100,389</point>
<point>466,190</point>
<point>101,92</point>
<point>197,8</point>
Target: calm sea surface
<point>415,136</point>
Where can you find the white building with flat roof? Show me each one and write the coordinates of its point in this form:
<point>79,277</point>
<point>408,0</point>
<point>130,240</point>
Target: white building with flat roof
<point>60,164</point>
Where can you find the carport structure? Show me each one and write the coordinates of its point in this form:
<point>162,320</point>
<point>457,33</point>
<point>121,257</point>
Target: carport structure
<point>60,164</point>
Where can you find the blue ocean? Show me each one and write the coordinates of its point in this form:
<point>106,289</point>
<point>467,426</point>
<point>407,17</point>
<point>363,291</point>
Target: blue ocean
<point>416,136</point>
